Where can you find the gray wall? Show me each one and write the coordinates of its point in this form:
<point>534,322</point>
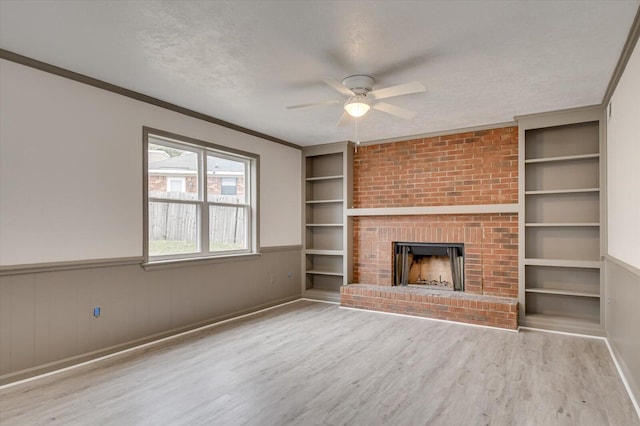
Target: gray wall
<point>71,192</point>
<point>622,290</point>
<point>46,319</point>
<point>622,284</point>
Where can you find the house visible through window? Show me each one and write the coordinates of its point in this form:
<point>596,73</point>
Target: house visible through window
<point>200,200</point>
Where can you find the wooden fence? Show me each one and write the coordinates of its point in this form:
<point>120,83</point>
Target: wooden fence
<point>178,222</point>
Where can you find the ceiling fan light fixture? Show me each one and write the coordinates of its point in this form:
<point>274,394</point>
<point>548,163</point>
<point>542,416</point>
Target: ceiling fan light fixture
<point>357,106</point>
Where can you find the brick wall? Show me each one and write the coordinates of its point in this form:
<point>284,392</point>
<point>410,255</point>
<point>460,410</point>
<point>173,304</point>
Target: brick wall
<point>448,305</point>
<point>214,184</point>
<point>467,168</point>
<point>461,169</point>
<point>491,247</point>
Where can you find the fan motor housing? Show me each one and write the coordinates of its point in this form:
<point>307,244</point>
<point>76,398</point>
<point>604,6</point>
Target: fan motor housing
<point>359,84</point>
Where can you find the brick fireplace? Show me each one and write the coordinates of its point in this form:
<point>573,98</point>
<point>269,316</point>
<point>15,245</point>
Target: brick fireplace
<point>490,241</point>
<point>467,169</point>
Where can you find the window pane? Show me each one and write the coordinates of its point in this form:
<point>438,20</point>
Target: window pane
<point>227,228</point>
<point>189,182</point>
<point>172,229</point>
<point>226,180</point>
<point>172,172</point>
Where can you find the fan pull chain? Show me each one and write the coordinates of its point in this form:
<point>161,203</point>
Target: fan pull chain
<point>357,137</point>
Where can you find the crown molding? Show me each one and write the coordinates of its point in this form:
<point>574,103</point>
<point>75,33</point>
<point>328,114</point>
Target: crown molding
<point>81,78</point>
<point>627,50</point>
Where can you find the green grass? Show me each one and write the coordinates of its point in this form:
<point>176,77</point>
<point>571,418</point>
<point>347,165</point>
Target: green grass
<point>165,247</point>
<point>162,247</point>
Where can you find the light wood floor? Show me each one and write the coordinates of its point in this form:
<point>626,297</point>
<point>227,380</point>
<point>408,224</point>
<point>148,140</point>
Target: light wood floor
<point>312,363</point>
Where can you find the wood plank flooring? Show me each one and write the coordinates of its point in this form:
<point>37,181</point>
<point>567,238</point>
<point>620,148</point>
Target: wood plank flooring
<point>311,363</point>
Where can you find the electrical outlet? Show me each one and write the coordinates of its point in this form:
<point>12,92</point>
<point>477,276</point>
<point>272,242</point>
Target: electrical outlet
<point>289,274</point>
<point>96,311</point>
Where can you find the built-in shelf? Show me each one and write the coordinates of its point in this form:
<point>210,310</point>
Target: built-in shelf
<point>563,158</point>
<point>568,224</point>
<point>562,292</point>
<point>319,294</point>
<point>562,191</point>
<point>566,263</point>
<point>568,323</point>
<point>318,178</point>
<point>560,230</point>
<point>573,320</point>
<point>323,201</point>
<point>316,272</point>
<point>327,231</point>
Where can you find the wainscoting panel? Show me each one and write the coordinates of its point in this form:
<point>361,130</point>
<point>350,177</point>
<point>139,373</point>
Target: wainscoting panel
<point>622,294</point>
<point>47,318</point>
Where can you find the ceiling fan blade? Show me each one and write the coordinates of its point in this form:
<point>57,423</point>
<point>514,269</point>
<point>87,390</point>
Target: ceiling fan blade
<point>395,110</point>
<point>401,89</point>
<point>315,104</point>
<point>338,86</point>
<point>344,119</point>
<point>404,64</point>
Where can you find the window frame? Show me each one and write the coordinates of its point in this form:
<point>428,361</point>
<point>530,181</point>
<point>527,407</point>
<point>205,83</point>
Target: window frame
<point>250,204</point>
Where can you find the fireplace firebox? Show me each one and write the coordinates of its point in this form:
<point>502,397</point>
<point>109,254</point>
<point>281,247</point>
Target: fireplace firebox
<point>432,265</point>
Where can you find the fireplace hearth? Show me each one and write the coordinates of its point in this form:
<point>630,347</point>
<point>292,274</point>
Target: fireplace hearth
<point>431,265</point>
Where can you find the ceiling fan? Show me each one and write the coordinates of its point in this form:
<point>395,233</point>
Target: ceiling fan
<point>361,97</point>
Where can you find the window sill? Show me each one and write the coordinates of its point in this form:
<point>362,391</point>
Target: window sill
<point>197,261</point>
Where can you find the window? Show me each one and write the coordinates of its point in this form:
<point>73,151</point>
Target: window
<point>200,199</point>
<point>229,186</point>
<point>176,184</point>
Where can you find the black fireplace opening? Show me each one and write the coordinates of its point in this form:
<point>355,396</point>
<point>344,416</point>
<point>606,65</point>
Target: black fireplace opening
<point>431,265</point>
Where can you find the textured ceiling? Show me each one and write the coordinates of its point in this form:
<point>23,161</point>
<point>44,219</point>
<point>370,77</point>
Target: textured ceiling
<point>244,61</point>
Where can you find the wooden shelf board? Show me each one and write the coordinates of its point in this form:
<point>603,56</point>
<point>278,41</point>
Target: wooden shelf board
<point>561,191</point>
<point>567,263</point>
<point>435,210</point>
<point>325,252</point>
<point>563,323</point>
<point>326,295</point>
<point>325,224</point>
<point>317,272</point>
<point>318,178</point>
<point>563,158</point>
<point>559,224</point>
<point>324,201</point>
<point>562,292</point>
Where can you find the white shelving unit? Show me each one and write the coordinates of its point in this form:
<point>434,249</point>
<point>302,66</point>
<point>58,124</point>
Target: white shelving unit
<point>327,231</point>
<point>560,221</point>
